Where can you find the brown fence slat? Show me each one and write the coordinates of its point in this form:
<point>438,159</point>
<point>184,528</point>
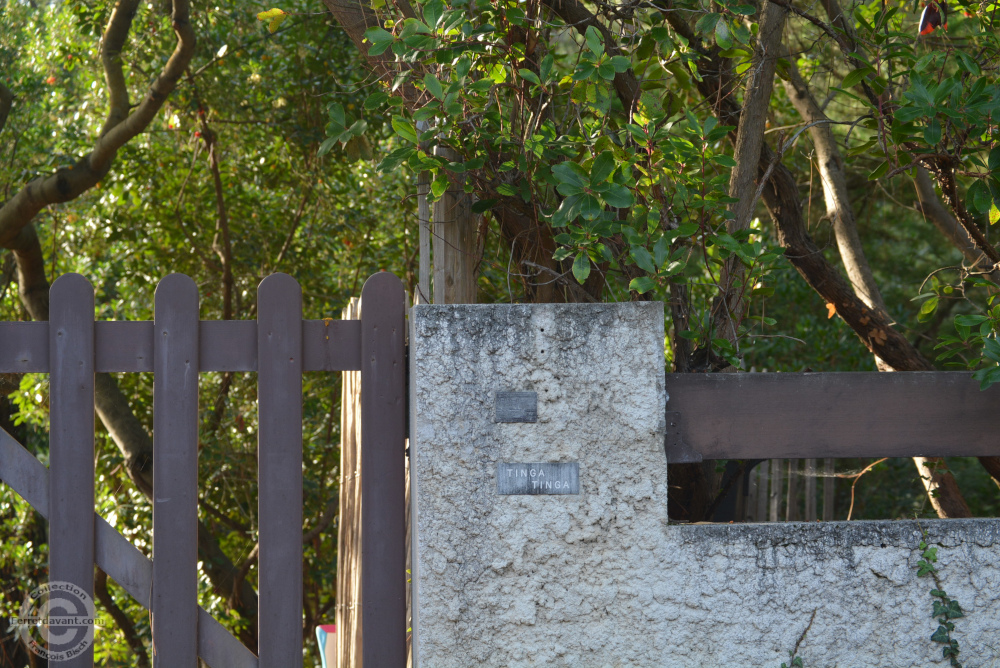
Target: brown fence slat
<point>279,470</point>
<point>175,473</point>
<point>22,472</point>
<point>24,347</point>
<point>853,414</point>
<point>116,556</point>
<point>226,345</point>
<point>331,345</point>
<point>71,442</point>
<point>123,345</point>
<point>383,431</point>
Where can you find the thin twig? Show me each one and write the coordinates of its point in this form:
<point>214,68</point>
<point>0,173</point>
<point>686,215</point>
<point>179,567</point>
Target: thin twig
<point>856,479</point>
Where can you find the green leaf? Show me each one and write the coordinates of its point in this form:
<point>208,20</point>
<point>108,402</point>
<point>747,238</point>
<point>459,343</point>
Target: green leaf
<point>325,147</point>
<point>620,63</point>
<point>594,42</point>
<point>994,159</point>
<point>967,62</point>
<point>273,17</point>
<point>642,285</point>
<point>706,23</point>
<point>723,36</point>
<point>405,129</point>
<point>643,259</point>
<point>932,133</point>
<point>433,11</point>
<point>396,158</point>
<point>606,70</point>
<point>572,175</point>
<point>661,250</point>
<point>433,86</point>
<point>337,115</point>
<point>506,189</point>
<point>483,205</point>
<point>687,229</point>
<point>375,100</point>
<point>380,39</point>
<point>603,166</point>
<point>978,197</point>
<point>545,67</point>
<point>724,160</point>
<point>581,267</point>
<point>941,635</point>
<point>879,171</point>
<point>528,75</point>
<point>617,196</point>
<point>855,77</point>
<point>994,213</point>
<point>439,186</point>
<point>987,377</point>
<point>928,307</point>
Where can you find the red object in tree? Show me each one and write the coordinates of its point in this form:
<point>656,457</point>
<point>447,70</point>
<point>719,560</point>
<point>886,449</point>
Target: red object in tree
<point>50,80</point>
<point>935,15</point>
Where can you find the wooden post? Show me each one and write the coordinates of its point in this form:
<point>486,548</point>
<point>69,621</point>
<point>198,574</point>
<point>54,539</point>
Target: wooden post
<point>792,502</point>
<point>753,489</point>
<point>829,487</point>
<point>349,635</point>
<point>774,513</point>
<point>810,490</point>
<point>383,436</point>
<point>71,451</point>
<point>762,492</point>
<point>174,601</point>
<point>279,471</point>
<point>455,247</point>
<point>423,295</point>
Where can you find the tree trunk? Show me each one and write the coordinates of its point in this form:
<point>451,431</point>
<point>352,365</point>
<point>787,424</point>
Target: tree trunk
<point>729,308</point>
<point>942,488</point>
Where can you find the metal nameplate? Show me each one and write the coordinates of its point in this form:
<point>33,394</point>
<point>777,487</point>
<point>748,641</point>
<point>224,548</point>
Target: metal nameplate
<point>516,407</point>
<point>542,478</point>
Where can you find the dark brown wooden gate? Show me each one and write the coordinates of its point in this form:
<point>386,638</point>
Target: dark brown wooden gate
<point>176,346</point>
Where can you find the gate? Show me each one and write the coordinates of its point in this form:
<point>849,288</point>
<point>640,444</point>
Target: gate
<point>279,346</point>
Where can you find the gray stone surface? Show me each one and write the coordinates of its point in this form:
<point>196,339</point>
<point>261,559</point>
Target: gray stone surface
<point>599,578</point>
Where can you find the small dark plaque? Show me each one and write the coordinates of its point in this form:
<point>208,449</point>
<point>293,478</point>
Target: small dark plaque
<point>516,407</point>
<point>543,478</point>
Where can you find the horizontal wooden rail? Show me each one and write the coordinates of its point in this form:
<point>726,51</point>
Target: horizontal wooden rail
<point>225,345</point>
<point>116,556</point>
<point>813,415</point>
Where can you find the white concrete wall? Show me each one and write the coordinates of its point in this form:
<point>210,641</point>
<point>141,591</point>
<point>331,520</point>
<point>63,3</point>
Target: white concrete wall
<point>600,578</point>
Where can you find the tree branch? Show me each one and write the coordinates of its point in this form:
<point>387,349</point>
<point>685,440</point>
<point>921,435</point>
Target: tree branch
<point>955,232</point>
<point>833,176</point>
<point>6,102</point>
<point>70,182</point>
<point>730,305</point>
<point>112,44</point>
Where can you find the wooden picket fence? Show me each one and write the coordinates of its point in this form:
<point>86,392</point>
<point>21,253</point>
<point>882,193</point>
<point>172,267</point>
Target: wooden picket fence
<point>279,346</point>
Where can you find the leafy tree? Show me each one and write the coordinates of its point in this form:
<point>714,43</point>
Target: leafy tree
<point>614,152</point>
<point>594,138</point>
<point>226,183</point>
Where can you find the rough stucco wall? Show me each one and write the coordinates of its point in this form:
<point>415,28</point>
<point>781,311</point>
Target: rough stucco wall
<point>600,579</point>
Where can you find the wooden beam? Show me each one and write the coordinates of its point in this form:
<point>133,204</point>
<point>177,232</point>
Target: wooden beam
<point>225,345</point>
<point>802,415</point>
